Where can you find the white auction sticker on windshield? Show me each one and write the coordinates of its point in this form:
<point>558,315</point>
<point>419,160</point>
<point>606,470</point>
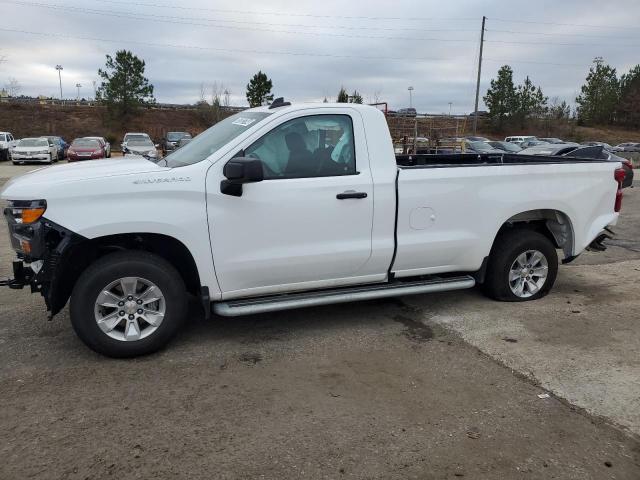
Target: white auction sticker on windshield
<point>244,122</point>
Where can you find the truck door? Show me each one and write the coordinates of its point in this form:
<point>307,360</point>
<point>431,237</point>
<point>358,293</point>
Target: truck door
<point>308,224</point>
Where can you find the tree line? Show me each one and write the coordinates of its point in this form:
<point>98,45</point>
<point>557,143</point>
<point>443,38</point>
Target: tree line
<point>604,99</point>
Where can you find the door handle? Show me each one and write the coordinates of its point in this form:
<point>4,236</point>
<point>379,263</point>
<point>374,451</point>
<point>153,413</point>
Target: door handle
<point>351,194</point>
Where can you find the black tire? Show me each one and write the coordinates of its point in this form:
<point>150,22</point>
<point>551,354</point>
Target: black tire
<point>127,264</point>
<point>507,247</point>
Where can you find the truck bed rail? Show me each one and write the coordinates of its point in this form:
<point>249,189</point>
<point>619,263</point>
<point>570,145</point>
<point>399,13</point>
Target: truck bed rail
<point>449,160</point>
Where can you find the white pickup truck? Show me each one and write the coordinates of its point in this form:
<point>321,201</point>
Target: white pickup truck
<point>294,206</point>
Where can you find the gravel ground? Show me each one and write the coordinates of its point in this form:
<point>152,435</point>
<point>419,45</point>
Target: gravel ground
<point>405,388</point>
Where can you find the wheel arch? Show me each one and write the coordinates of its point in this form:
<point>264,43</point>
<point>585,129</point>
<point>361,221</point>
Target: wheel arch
<point>554,224</point>
<point>82,254</point>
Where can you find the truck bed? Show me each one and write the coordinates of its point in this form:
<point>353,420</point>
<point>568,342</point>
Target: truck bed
<point>472,159</point>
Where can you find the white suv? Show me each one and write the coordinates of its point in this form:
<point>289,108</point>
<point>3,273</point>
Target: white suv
<point>7,143</point>
<point>133,136</point>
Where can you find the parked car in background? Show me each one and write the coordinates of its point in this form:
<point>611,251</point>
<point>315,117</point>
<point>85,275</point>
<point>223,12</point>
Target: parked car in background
<point>604,145</point>
<point>85,149</point>
<point>183,141</point>
<point>532,142</point>
<point>170,141</point>
<point>600,153</point>
<point>596,152</point>
<point>509,147</point>
<point>627,147</point>
<point>36,149</point>
<point>62,146</point>
<point>407,112</point>
<point>518,139</point>
<point>141,146</point>
<point>472,138</point>
<point>479,147</point>
<point>7,143</point>
<point>549,149</point>
<point>552,140</point>
<point>133,136</point>
<point>105,144</point>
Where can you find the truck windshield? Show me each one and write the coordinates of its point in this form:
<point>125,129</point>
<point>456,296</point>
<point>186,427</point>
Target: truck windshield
<point>214,138</point>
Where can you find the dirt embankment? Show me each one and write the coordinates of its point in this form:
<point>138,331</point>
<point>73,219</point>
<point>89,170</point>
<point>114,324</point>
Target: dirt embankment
<point>71,122</point>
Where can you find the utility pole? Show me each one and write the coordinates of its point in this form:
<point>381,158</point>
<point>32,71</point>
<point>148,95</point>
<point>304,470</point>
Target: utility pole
<point>59,69</point>
<point>78,87</point>
<point>450,103</point>
<point>475,112</point>
<point>410,96</point>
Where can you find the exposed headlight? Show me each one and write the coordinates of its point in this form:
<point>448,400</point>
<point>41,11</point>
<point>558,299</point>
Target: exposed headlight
<point>25,211</point>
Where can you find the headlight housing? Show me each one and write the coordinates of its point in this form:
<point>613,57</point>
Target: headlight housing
<point>25,211</point>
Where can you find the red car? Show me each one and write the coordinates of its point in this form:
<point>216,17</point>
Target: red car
<point>85,149</point>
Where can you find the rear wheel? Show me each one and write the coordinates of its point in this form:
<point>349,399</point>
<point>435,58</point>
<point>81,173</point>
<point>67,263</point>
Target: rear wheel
<point>522,266</point>
<point>128,304</point>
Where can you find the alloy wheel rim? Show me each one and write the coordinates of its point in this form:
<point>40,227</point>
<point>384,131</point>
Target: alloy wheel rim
<point>129,309</point>
<point>528,273</point>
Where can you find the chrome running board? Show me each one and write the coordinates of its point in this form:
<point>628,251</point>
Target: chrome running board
<point>248,306</point>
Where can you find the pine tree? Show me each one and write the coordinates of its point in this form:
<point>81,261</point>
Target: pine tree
<point>501,97</point>
<point>628,110</point>
<point>343,96</point>
<point>124,87</point>
<point>259,90</point>
<point>355,97</point>
<point>530,101</point>
<point>599,96</point>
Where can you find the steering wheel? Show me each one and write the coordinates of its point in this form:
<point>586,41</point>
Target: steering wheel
<point>265,168</point>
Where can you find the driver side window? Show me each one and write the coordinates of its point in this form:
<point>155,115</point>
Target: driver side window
<point>312,146</point>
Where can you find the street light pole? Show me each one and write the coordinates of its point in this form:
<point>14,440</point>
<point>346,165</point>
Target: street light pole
<point>410,96</point>
<point>450,103</point>
<point>78,87</point>
<point>59,69</point>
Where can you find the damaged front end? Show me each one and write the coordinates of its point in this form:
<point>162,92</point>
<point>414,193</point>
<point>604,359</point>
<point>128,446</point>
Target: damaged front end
<point>41,246</point>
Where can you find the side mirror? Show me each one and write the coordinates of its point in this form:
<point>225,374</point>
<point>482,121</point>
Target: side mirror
<point>239,171</point>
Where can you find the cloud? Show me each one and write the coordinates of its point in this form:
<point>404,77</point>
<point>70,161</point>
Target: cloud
<point>309,52</point>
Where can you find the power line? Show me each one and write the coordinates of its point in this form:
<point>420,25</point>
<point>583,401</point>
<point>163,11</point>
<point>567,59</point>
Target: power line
<point>536,63</point>
<point>561,44</point>
<point>265,52</point>
<point>173,21</point>
<point>616,27</point>
<point>280,14</point>
<point>561,34</point>
<point>241,22</point>
<point>225,50</point>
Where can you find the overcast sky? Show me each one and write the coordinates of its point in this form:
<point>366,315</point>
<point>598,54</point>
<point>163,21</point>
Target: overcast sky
<point>309,49</point>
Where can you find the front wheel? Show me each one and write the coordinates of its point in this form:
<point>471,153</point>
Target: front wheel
<point>128,304</point>
<point>523,265</point>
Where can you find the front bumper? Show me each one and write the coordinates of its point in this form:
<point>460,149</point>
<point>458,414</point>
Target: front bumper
<point>19,157</point>
<point>40,265</point>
